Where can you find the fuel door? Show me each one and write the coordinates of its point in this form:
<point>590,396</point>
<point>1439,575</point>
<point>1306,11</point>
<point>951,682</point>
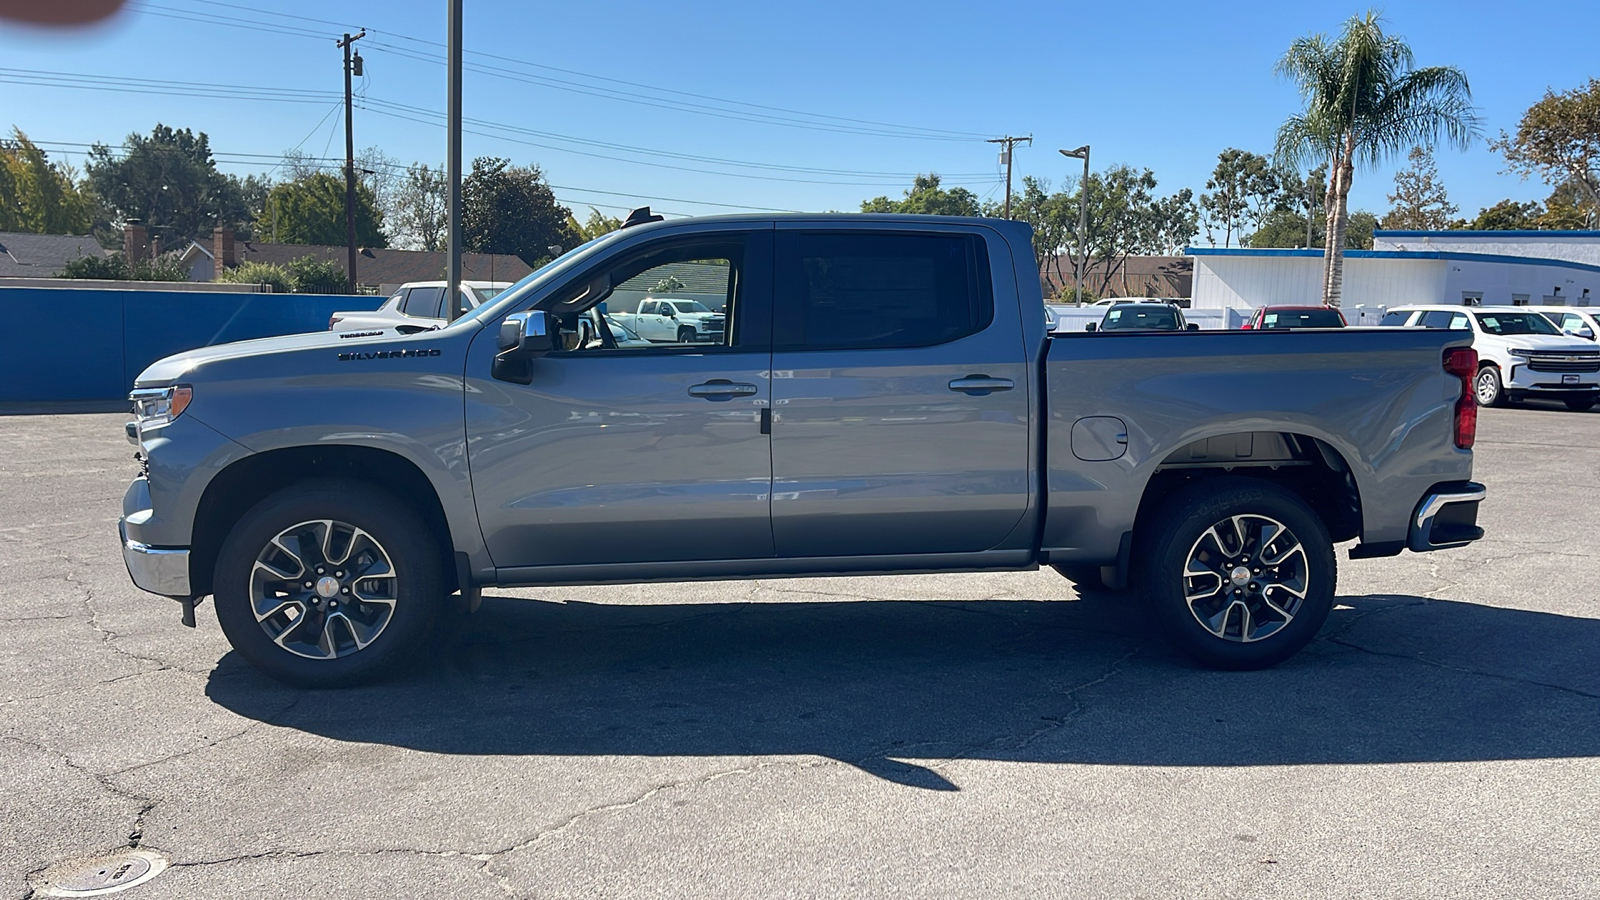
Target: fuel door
<point>1099,438</point>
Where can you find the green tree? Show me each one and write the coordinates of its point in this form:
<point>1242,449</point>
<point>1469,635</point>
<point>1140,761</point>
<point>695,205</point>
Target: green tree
<point>169,181</point>
<point>311,211</point>
<point>597,224</point>
<point>1054,224</point>
<point>927,198</point>
<point>1358,230</point>
<point>1508,215</point>
<point>313,276</point>
<point>1558,140</point>
<point>421,216</point>
<point>37,195</point>
<point>511,209</point>
<point>264,273</point>
<point>1364,103</point>
<point>1124,218</point>
<point>114,267</point>
<point>1243,188</point>
<point>1287,228</point>
<point>1420,200</point>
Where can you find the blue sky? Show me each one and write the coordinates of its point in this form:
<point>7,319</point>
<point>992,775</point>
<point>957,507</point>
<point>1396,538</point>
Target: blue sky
<point>1160,85</point>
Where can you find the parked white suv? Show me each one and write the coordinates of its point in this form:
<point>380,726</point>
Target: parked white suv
<point>417,306</point>
<point>1520,353</point>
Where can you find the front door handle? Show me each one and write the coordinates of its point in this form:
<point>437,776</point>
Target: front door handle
<point>980,385</point>
<point>721,389</point>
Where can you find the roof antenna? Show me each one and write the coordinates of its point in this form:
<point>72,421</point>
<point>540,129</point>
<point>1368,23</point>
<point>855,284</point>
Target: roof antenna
<point>641,216</point>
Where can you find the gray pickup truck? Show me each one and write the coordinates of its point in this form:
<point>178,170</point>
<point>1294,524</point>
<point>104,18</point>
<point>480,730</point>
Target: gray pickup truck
<point>885,399</point>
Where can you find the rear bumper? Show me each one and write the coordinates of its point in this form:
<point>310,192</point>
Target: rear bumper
<point>1447,517</point>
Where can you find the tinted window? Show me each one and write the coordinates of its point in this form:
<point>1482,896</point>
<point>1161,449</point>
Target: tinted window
<point>1395,318</point>
<point>1303,318</point>
<point>879,290</point>
<point>424,302</point>
<point>1437,318</point>
<point>1141,317</point>
<point>1515,323</point>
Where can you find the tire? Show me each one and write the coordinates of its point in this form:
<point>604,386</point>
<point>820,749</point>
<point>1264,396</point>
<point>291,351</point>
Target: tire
<point>1488,387</point>
<point>685,334</point>
<point>1203,524</point>
<point>1583,405</point>
<point>1085,578</point>
<point>300,639</point>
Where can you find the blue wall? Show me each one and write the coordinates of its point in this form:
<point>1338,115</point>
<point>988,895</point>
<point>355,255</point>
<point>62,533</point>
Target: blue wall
<point>83,344</point>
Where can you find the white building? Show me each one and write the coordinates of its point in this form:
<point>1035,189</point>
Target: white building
<point>1480,268</point>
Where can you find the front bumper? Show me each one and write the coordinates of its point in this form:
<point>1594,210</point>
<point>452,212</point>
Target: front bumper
<point>159,570</point>
<point>1524,379</point>
<point>1447,517</point>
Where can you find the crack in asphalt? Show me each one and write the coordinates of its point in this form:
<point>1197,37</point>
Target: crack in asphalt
<point>1465,670</point>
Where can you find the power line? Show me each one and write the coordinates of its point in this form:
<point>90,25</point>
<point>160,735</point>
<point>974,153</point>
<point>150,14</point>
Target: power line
<point>772,115</point>
<point>384,107</point>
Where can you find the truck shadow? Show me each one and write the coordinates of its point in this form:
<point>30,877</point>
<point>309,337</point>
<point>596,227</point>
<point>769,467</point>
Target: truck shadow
<point>892,687</point>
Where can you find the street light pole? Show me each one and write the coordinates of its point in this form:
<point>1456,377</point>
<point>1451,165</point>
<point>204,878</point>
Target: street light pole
<point>1083,215</point>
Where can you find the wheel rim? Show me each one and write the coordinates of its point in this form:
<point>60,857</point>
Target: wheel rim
<point>1487,386</point>
<point>1246,577</point>
<point>323,589</point>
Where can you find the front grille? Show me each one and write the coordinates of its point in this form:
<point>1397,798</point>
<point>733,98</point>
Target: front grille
<point>1576,361</point>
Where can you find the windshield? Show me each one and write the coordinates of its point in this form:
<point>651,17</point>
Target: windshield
<point>509,297</point>
<point>687,306</point>
<point>1141,317</point>
<point>1302,318</point>
<point>1515,323</point>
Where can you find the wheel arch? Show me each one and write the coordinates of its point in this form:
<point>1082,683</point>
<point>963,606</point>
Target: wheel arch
<point>248,481</point>
<point>1313,469</point>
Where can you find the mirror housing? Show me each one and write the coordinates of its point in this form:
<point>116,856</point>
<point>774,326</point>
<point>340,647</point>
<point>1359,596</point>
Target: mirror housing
<point>669,310</point>
<point>523,337</point>
<point>1193,327</point>
<point>1090,327</point>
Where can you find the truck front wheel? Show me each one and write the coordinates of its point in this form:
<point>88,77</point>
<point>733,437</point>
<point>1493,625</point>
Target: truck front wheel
<point>1240,573</point>
<point>1491,392</point>
<point>685,335</point>
<point>328,584</point>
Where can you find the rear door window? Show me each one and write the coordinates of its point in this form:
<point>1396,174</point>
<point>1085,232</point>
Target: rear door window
<point>860,290</point>
<point>1396,318</point>
<point>423,302</point>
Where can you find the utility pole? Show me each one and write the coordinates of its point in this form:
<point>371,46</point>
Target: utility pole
<point>351,66</point>
<point>453,158</point>
<point>1006,143</point>
<point>1083,215</point>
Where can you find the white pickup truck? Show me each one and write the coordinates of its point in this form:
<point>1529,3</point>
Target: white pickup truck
<point>680,321</point>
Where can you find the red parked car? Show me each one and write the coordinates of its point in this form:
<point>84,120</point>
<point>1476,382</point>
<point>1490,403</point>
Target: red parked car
<point>1296,317</point>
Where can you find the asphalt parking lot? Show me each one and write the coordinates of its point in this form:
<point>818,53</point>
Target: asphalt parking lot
<point>930,736</point>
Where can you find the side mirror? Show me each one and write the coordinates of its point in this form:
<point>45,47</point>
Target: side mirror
<point>1193,327</point>
<point>1090,327</point>
<point>668,310</point>
<point>523,337</point>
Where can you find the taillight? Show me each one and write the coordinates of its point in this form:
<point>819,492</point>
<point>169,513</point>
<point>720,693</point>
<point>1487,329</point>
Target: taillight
<point>1463,363</point>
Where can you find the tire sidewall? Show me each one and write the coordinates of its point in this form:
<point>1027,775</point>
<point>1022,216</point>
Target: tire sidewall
<point>685,334</point>
<point>1181,522</point>
<point>403,536</point>
<point>1487,376</point>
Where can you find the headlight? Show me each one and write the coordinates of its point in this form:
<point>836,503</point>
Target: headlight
<point>1522,353</point>
<point>155,407</point>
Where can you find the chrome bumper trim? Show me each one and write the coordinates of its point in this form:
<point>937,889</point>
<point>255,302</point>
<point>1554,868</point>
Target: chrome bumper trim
<point>1430,508</point>
<point>159,571</point>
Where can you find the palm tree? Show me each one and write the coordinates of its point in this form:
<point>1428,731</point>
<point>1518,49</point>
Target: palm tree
<point>1365,104</point>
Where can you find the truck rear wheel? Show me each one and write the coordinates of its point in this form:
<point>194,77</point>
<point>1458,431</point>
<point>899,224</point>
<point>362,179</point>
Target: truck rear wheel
<point>1240,573</point>
<point>328,584</point>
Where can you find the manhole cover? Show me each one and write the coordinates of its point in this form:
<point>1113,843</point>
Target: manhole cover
<point>95,875</point>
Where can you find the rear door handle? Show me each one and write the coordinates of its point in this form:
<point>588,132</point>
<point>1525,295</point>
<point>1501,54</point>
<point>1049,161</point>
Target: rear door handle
<point>721,389</point>
<point>979,385</point>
